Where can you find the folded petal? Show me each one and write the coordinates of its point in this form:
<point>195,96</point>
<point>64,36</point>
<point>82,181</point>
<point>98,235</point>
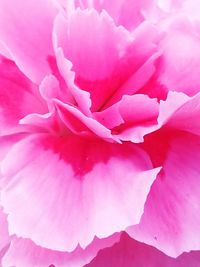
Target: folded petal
<point>24,253</point>
<point>80,124</point>
<point>128,120</point>
<point>137,81</point>
<point>73,119</point>
<point>130,253</point>
<point>82,98</point>
<point>25,29</point>
<point>64,191</point>
<point>171,217</point>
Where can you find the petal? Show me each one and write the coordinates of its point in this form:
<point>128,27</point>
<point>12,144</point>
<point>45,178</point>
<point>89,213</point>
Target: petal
<point>77,188</point>
<point>128,120</point>
<point>73,119</point>
<point>174,102</point>
<point>179,68</point>
<point>98,71</point>
<point>180,112</point>
<point>4,236</point>
<point>191,8</point>
<point>17,98</point>
<point>171,217</point>
<point>82,97</point>
<point>137,81</point>
<point>4,51</point>
<point>95,49</point>
<point>6,142</point>
<point>130,253</point>
<point>26,31</point>
<point>94,63</point>
<point>24,253</point>
<point>128,13</point>
<point>152,86</point>
<point>80,124</point>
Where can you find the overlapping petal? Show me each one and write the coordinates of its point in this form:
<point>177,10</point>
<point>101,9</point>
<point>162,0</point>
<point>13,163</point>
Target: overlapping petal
<point>70,175</point>
<point>171,218</point>
<point>73,119</point>
<point>24,253</point>
<point>80,83</point>
<point>131,253</point>
<point>127,120</point>
<point>180,112</point>
<point>112,51</point>
<point>18,98</point>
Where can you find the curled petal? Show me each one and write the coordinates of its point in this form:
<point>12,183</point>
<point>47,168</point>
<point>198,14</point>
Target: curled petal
<point>71,116</point>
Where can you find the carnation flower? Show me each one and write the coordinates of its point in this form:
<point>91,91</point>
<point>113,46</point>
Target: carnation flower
<point>99,133</point>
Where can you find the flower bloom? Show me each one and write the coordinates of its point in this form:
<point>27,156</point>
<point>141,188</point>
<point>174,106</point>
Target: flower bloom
<point>99,133</point>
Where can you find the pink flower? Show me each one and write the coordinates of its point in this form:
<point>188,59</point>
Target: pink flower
<point>99,133</point>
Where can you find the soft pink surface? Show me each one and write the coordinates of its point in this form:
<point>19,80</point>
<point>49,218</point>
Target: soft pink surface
<point>99,132</point>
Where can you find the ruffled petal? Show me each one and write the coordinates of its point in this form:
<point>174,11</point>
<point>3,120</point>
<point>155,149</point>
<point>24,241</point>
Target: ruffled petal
<point>94,61</point>
<point>94,188</point>
<point>130,253</point>
<point>171,217</point>
<point>102,37</point>
<point>128,13</point>
<point>73,119</point>
<point>24,253</point>
<point>109,71</point>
